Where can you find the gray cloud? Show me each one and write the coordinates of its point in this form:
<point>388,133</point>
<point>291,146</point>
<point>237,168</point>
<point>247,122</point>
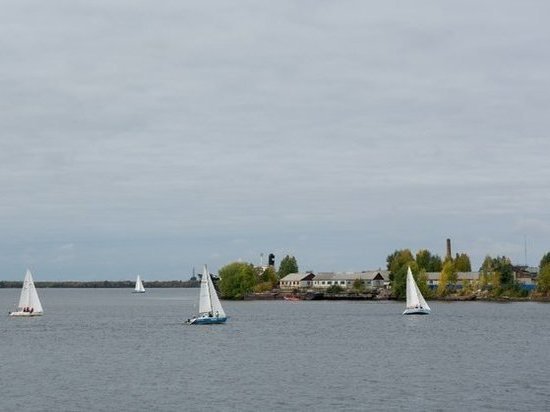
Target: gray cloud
<point>153,138</point>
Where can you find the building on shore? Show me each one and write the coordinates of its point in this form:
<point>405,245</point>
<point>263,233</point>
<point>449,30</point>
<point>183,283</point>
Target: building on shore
<point>380,279</point>
<point>346,280</point>
<point>462,278</point>
<point>297,281</point>
<point>526,276</point>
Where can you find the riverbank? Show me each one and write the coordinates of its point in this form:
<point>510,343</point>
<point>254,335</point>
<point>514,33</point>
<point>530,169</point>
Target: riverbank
<point>383,296</point>
<point>279,295</point>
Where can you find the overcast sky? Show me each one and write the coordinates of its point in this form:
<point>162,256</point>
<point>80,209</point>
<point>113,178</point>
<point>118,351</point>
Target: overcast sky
<point>142,137</point>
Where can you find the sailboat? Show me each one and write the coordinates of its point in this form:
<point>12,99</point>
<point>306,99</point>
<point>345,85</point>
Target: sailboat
<point>29,303</point>
<point>139,286</point>
<point>416,304</point>
<point>210,308</point>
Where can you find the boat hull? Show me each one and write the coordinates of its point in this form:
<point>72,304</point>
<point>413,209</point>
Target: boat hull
<point>25,314</point>
<point>416,311</point>
<point>206,320</point>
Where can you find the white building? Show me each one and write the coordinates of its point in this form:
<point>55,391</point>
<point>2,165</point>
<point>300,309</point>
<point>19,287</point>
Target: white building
<point>433,278</point>
<point>297,281</point>
<point>369,279</point>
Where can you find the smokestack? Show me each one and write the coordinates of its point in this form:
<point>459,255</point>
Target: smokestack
<point>449,255</point>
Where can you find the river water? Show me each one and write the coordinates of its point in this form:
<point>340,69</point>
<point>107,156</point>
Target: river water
<point>111,350</point>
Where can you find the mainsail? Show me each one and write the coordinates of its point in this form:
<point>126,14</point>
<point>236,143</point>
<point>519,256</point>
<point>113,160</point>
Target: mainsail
<point>205,303</point>
<point>29,297</point>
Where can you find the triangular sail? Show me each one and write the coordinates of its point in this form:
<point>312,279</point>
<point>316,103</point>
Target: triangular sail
<point>24,299</point>
<point>216,305</point>
<point>29,297</point>
<point>205,304</point>
<point>414,297</point>
<point>139,285</point>
<point>421,300</point>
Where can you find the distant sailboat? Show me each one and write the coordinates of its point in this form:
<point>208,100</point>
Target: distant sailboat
<point>416,304</point>
<point>210,308</point>
<point>29,303</point>
<point>139,286</point>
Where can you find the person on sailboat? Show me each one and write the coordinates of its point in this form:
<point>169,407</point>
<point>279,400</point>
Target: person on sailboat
<point>217,314</point>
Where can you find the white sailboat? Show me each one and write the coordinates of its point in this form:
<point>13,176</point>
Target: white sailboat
<point>210,308</point>
<point>139,286</point>
<point>416,304</point>
<point>29,303</point>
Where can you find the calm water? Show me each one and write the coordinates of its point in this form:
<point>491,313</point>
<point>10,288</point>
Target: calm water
<point>110,350</point>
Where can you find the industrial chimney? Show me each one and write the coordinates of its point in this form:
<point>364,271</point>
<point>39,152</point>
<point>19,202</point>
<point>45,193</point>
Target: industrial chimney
<point>449,255</point>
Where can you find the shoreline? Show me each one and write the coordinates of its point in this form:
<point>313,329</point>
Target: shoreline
<point>307,296</point>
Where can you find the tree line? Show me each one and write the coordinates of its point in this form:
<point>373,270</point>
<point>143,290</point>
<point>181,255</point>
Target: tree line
<point>496,274</point>
<point>238,279</point>
<point>105,284</point>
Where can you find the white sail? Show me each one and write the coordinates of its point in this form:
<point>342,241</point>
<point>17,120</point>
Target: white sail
<point>216,305</point>
<point>414,297</point>
<point>210,308</point>
<point>205,303</point>
<point>29,297</point>
<point>421,299</point>
<point>139,285</point>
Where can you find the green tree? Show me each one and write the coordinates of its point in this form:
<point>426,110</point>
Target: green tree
<point>447,279</point>
<point>288,265</point>
<point>331,290</point>
<point>506,271</point>
<point>427,261</point>
<point>269,276</point>
<point>544,261</point>
<point>397,263</point>
<point>500,272</point>
<point>358,285</point>
<point>436,264</point>
<point>543,280</point>
<point>398,259</point>
<point>462,263</point>
<point>422,283</point>
<point>487,265</point>
<point>423,257</point>
<point>237,279</point>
